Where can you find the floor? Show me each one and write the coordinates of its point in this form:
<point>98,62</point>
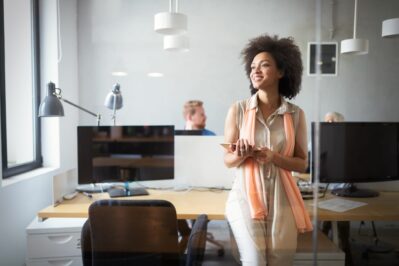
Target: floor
<point>359,244</point>
<point>367,252</point>
<point>220,232</point>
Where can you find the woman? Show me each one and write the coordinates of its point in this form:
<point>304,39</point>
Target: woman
<point>268,140</point>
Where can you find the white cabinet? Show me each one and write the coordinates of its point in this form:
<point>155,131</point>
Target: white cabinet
<point>55,242</point>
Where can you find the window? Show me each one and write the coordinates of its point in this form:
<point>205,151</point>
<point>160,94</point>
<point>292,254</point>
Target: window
<point>19,86</point>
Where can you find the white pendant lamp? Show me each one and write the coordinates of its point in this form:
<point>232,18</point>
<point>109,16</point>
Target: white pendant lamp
<point>176,43</point>
<point>390,28</point>
<point>354,45</point>
<point>172,22</point>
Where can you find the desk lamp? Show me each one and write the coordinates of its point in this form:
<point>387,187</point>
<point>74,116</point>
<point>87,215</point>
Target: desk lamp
<point>114,100</point>
<point>51,106</point>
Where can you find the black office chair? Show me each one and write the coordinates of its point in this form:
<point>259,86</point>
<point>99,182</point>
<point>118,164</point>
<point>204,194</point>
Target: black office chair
<point>138,232</point>
<point>185,230</point>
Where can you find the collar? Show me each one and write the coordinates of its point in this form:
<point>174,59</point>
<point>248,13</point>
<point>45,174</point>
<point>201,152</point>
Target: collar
<point>285,107</point>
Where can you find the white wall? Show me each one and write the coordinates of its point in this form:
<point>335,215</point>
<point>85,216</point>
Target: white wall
<point>20,201</point>
<point>120,32</point>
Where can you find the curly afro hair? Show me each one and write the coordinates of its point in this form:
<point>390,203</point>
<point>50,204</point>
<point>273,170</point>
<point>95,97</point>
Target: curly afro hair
<point>287,57</point>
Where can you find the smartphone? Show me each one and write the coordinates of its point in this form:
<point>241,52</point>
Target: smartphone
<point>228,145</point>
<point>233,145</point>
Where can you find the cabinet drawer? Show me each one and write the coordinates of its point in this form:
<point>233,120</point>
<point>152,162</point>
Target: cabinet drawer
<point>72,261</point>
<point>53,245</point>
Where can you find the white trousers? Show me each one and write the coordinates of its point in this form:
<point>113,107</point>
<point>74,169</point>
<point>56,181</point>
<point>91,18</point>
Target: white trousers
<point>251,253</point>
<point>271,243</point>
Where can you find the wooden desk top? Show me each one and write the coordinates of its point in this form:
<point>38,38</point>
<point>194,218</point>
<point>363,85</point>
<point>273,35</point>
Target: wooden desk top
<point>189,204</point>
<point>385,207</point>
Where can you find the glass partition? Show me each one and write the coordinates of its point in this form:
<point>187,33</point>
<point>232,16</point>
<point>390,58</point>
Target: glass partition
<point>118,36</point>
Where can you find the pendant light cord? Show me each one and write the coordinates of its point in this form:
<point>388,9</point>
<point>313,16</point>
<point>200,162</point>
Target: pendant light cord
<point>175,4</point>
<point>355,20</point>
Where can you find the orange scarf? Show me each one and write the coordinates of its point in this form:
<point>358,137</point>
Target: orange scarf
<point>254,182</point>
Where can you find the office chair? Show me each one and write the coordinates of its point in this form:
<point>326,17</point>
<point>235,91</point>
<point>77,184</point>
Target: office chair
<point>185,230</point>
<point>377,246</point>
<point>138,232</point>
<point>211,239</point>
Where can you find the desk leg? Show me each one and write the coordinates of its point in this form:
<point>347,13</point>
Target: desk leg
<point>334,227</point>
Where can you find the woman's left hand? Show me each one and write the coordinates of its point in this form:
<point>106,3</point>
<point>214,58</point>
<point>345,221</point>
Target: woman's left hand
<point>263,155</point>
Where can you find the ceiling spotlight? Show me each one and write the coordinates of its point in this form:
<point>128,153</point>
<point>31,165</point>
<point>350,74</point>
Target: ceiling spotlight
<point>119,73</point>
<point>155,75</point>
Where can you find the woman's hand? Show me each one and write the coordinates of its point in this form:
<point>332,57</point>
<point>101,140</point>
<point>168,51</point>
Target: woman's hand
<point>263,155</point>
<point>242,148</point>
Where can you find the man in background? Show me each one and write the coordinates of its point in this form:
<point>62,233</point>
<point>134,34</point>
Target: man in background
<point>194,115</point>
<point>332,117</point>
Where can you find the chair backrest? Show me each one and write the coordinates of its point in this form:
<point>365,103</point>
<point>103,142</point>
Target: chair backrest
<point>197,242</point>
<point>85,244</point>
<point>133,232</point>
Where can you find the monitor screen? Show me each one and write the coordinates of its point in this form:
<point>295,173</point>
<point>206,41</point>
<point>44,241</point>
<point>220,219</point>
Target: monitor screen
<point>188,132</point>
<point>352,152</point>
<point>125,153</point>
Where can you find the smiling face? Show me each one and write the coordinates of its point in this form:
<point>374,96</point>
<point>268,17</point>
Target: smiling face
<point>264,71</point>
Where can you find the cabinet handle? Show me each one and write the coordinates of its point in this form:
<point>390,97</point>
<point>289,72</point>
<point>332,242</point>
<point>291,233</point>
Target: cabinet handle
<point>60,262</point>
<point>60,239</point>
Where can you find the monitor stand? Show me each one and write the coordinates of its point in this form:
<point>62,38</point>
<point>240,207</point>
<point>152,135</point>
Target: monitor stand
<point>126,191</point>
<point>353,192</point>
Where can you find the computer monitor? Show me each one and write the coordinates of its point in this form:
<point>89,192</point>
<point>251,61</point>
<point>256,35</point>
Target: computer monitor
<point>188,132</point>
<point>125,154</point>
<point>354,152</point>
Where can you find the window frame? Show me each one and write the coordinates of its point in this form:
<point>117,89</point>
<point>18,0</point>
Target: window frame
<point>38,161</point>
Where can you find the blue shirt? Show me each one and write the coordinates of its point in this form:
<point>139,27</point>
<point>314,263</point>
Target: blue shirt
<point>206,132</point>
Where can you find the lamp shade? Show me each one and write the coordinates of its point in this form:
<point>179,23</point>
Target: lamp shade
<point>114,98</point>
<point>169,23</point>
<point>176,43</point>
<point>390,27</point>
<point>51,106</point>
<point>354,46</point>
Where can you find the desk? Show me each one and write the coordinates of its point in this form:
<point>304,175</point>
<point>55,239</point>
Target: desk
<point>188,204</point>
<point>381,208</point>
<point>385,207</point>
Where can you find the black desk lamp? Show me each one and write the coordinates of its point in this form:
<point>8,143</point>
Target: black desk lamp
<point>52,107</point>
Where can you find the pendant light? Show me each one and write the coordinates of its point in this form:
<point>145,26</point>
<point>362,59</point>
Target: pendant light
<point>390,28</point>
<point>172,22</point>
<point>354,45</point>
<point>176,43</point>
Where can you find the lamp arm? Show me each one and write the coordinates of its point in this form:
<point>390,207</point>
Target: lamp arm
<point>83,109</point>
<point>114,112</point>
